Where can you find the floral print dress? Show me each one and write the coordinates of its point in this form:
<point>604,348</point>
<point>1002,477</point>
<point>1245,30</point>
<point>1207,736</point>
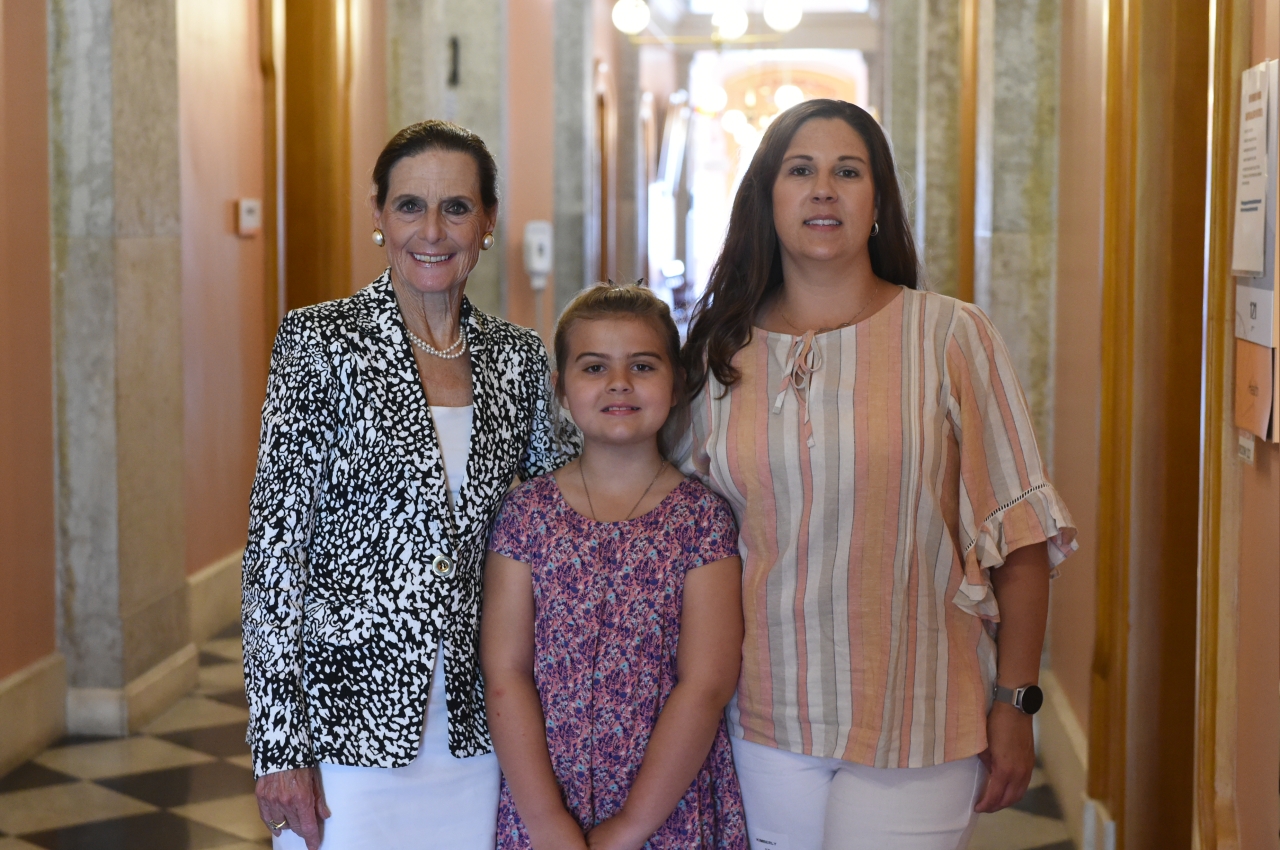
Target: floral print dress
<point>607,600</point>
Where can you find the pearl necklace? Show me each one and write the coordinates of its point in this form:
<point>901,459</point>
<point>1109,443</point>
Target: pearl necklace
<point>446,354</point>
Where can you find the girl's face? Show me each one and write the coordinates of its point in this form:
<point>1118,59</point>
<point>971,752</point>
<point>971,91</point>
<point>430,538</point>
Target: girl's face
<point>824,199</point>
<point>434,220</point>
<point>618,382</point>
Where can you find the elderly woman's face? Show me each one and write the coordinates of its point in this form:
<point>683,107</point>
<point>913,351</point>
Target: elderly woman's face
<point>433,220</point>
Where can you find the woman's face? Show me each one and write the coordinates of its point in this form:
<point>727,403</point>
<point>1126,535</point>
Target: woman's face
<point>824,198</point>
<point>433,220</point>
<point>618,382</point>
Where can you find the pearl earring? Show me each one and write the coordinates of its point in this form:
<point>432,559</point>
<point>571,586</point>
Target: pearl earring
<point>487,242</point>
<point>378,238</point>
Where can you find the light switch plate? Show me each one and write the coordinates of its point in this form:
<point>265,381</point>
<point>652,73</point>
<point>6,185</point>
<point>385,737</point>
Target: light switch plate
<point>248,217</point>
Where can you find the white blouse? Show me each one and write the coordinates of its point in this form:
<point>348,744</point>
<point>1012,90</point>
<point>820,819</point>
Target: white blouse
<point>453,429</point>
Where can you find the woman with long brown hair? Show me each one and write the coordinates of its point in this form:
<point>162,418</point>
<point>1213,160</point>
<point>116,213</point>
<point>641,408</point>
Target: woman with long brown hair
<point>897,527</point>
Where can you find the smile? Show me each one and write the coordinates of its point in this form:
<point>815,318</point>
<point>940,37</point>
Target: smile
<point>620,408</point>
<point>430,258</point>
<point>823,222</point>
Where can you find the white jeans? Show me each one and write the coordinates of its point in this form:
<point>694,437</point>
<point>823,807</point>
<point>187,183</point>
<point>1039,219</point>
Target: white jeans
<point>438,801</point>
<point>799,802</point>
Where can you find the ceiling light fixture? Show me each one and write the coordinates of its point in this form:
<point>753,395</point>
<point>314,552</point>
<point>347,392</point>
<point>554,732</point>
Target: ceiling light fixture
<point>631,16</point>
<point>788,96</point>
<point>730,21</point>
<point>782,15</point>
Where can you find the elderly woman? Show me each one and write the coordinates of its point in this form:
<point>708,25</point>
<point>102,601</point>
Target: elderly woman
<point>395,421</point>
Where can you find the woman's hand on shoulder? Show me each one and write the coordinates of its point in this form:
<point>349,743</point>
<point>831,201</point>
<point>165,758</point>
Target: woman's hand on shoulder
<point>293,799</point>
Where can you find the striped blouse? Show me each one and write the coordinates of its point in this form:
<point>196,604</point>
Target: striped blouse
<point>878,473</point>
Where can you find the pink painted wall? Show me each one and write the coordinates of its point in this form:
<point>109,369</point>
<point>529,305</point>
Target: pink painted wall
<point>27,618</point>
<point>369,131</point>
<point>531,149</point>
<point>1078,364</point>
<point>223,275</point>
<point>1258,718</point>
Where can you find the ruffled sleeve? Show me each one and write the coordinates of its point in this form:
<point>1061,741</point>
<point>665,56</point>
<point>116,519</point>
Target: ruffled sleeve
<point>1006,500</point>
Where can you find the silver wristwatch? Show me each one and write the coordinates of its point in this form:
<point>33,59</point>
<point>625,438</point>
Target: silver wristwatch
<point>1026,699</point>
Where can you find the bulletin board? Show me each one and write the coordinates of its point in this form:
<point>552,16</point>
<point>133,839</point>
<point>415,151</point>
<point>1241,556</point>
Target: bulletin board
<point>1254,255</point>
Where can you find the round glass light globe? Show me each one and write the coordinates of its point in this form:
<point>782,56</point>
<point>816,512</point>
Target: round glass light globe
<point>710,99</point>
<point>731,22</point>
<point>782,15</point>
<point>788,96</point>
<point>733,121</point>
<point>631,16</point>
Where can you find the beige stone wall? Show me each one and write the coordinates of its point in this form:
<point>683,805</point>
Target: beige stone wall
<point>117,324</point>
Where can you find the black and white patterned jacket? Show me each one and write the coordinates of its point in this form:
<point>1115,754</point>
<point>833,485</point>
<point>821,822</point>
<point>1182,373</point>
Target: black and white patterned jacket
<point>343,614</point>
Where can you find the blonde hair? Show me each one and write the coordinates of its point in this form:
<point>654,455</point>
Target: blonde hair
<point>627,301</point>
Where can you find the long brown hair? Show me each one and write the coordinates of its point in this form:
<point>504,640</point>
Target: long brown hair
<point>749,269</point>
<point>627,301</point>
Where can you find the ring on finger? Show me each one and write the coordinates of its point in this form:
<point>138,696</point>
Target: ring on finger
<point>280,825</point>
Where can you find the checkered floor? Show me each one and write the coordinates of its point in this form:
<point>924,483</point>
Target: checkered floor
<point>186,782</point>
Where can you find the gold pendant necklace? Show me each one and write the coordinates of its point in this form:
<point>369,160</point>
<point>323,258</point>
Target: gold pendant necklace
<point>840,326</point>
<point>587,490</point>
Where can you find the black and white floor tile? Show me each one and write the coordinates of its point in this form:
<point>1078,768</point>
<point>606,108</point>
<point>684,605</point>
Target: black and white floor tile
<point>185,783</point>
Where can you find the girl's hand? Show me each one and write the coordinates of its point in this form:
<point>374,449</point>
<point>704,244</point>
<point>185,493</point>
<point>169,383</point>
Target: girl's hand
<point>559,833</point>
<point>616,833</point>
<point>295,800</point>
<point>1010,757</point>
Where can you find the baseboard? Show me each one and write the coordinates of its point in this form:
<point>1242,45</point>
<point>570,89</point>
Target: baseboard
<point>120,711</point>
<point>1064,748</point>
<point>33,705</point>
<point>214,594</point>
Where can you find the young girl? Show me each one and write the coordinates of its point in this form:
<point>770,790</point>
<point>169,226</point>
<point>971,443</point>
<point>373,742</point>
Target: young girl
<point>612,627</point>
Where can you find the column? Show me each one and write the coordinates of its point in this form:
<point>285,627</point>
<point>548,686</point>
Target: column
<point>575,87</point>
<point>1018,200</point>
<point>115,202</point>
<point>428,78</point>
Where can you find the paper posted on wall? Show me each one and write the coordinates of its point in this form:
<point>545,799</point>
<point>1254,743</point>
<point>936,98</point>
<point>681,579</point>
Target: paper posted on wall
<point>1254,387</point>
<point>1254,244</point>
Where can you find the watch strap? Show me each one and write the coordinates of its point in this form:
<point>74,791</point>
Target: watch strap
<point>1009,695</point>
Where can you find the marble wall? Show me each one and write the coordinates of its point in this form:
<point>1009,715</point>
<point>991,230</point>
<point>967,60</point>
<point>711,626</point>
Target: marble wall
<point>1016,204</point>
<point>922,119</point>
<point>575,110</point>
<point>116,238</point>
<point>1015,274</point>
<point>420,86</point>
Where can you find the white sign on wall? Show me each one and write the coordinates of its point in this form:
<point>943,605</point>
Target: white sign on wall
<point>1254,244</point>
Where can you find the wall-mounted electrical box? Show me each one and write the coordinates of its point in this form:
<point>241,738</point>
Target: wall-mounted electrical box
<point>248,216</point>
<point>537,252</point>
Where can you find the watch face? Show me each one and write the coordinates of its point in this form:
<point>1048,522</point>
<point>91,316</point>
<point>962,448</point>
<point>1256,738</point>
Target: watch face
<point>1032,699</point>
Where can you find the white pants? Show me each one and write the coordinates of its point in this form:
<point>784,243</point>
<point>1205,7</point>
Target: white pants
<point>799,802</point>
<point>438,801</point>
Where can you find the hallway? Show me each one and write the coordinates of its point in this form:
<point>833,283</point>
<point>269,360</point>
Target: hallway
<point>176,176</point>
<point>186,783</point>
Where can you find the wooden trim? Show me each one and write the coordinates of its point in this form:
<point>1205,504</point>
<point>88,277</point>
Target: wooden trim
<point>317,153</point>
<point>1109,697</point>
<point>966,215</point>
<point>1216,629</point>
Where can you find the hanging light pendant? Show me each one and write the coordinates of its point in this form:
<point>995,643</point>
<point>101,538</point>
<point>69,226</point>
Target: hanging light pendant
<point>730,21</point>
<point>631,16</point>
<point>782,15</point>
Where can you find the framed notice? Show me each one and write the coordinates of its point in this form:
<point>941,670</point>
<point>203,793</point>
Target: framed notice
<point>1253,255</point>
